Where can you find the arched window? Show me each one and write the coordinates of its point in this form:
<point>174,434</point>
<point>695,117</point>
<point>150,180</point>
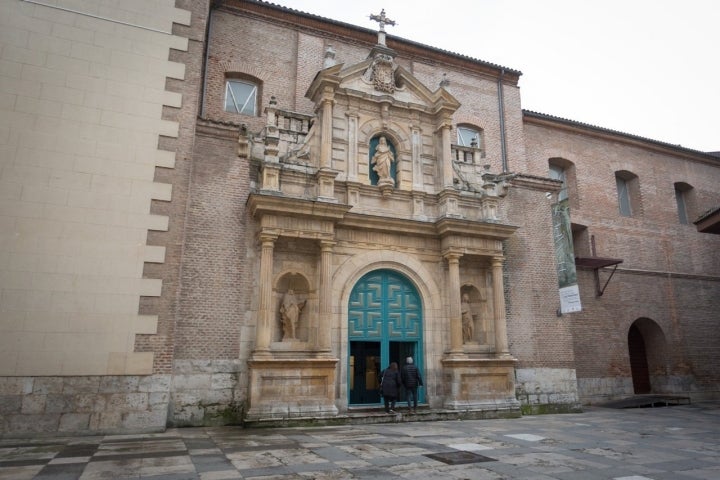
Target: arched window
<point>241,96</point>
<point>628,191</point>
<point>685,199</point>
<point>564,170</point>
<point>469,146</point>
<point>468,136</point>
<point>558,173</point>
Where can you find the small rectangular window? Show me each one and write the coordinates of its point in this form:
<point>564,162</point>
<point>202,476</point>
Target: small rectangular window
<point>240,97</point>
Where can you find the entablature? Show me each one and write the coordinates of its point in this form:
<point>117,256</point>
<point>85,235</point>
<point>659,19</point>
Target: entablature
<point>296,217</point>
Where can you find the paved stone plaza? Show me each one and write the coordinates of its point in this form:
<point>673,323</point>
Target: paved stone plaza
<point>667,443</point>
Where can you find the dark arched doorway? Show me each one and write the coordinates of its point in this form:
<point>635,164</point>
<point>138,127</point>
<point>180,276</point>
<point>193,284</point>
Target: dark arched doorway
<point>638,360</point>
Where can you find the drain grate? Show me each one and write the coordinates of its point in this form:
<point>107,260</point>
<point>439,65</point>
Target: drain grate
<point>459,458</point>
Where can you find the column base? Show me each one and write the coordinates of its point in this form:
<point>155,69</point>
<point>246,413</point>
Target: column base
<point>291,388</point>
<point>485,384</point>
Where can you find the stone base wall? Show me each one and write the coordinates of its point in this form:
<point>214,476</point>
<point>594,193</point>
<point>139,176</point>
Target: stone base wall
<point>83,405</point>
<point>547,390</point>
<point>594,391</point>
<point>207,393</point>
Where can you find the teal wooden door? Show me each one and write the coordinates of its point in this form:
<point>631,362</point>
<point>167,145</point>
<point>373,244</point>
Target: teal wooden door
<point>385,325</point>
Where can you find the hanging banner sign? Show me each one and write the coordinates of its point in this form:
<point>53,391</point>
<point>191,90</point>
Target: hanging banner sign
<point>567,275</point>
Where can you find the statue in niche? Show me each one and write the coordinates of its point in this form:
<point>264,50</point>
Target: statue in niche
<point>468,325</point>
<point>382,161</point>
<point>290,310</point>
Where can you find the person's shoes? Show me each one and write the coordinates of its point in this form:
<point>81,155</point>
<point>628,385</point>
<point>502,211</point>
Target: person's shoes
<point>391,411</point>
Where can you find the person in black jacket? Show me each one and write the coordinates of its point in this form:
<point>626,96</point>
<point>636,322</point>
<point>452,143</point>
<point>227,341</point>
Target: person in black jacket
<point>390,386</point>
<point>411,379</point>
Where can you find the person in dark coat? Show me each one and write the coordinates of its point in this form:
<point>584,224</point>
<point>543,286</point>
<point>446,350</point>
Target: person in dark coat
<point>411,379</point>
<point>391,386</point>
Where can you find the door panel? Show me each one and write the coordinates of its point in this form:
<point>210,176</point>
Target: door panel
<point>364,372</point>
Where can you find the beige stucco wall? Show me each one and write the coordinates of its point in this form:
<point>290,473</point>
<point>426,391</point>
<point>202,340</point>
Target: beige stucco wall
<point>82,88</point>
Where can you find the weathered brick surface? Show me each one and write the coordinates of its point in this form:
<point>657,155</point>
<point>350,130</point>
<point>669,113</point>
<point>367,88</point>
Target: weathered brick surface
<point>166,306</point>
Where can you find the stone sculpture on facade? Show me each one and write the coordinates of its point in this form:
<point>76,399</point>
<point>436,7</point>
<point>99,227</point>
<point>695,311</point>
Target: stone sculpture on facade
<point>382,162</point>
<point>468,326</point>
<point>290,310</point>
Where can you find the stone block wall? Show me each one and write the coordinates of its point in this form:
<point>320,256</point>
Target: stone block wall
<point>208,392</point>
<point>547,390</point>
<point>30,406</point>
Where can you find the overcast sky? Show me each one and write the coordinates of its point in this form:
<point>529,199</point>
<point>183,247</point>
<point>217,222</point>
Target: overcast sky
<point>645,67</point>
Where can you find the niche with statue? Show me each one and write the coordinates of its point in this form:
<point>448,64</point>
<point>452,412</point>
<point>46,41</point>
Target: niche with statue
<point>292,293</point>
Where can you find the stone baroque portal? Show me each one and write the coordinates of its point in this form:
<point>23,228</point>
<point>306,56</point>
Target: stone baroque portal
<point>378,187</point>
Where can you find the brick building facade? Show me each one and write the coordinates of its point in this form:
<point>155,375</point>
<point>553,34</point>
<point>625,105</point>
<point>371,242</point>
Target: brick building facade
<point>294,264</point>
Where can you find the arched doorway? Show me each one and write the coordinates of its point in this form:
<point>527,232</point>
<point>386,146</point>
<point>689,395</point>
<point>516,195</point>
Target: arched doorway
<point>638,361</point>
<point>384,325</point>
<point>647,349</point>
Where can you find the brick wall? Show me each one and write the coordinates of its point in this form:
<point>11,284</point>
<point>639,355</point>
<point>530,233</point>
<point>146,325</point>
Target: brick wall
<point>670,273</point>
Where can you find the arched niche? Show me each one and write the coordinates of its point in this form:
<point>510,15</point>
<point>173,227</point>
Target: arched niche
<point>292,287</point>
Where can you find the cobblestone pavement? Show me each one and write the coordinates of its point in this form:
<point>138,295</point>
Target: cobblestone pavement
<point>669,443</point>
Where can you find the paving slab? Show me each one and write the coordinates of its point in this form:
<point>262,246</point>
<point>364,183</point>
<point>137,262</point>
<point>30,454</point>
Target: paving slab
<point>677,441</point>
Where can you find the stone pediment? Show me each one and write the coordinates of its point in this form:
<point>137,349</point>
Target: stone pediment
<point>380,79</point>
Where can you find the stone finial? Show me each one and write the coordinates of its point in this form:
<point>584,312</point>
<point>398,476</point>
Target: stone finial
<point>444,82</point>
<point>329,57</point>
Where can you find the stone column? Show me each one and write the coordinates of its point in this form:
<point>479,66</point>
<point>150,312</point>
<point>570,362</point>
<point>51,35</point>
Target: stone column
<point>266,312</point>
<point>501,341</point>
<point>454,300</point>
<point>325,313</point>
<point>447,156</point>
<point>326,133</point>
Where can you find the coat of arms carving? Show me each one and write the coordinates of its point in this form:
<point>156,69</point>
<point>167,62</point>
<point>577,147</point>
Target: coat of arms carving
<point>383,75</point>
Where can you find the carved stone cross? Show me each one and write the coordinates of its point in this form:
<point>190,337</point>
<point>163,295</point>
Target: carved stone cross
<point>382,20</point>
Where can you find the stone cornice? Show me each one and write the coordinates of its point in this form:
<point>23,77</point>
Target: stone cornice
<point>262,204</point>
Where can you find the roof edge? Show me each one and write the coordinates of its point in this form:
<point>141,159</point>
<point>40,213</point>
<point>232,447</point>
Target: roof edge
<point>543,118</point>
<point>367,35</point>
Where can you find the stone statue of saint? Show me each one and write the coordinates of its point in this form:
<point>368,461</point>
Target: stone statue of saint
<point>290,310</point>
<point>468,325</point>
<point>382,161</point>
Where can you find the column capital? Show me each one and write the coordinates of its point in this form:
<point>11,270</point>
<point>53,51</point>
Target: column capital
<point>327,245</point>
<point>452,255</point>
<point>266,237</point>
<point>497,261</point>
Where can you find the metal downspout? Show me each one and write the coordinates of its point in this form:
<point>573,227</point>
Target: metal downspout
<point>501,104</point>
<point>208,31</point>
